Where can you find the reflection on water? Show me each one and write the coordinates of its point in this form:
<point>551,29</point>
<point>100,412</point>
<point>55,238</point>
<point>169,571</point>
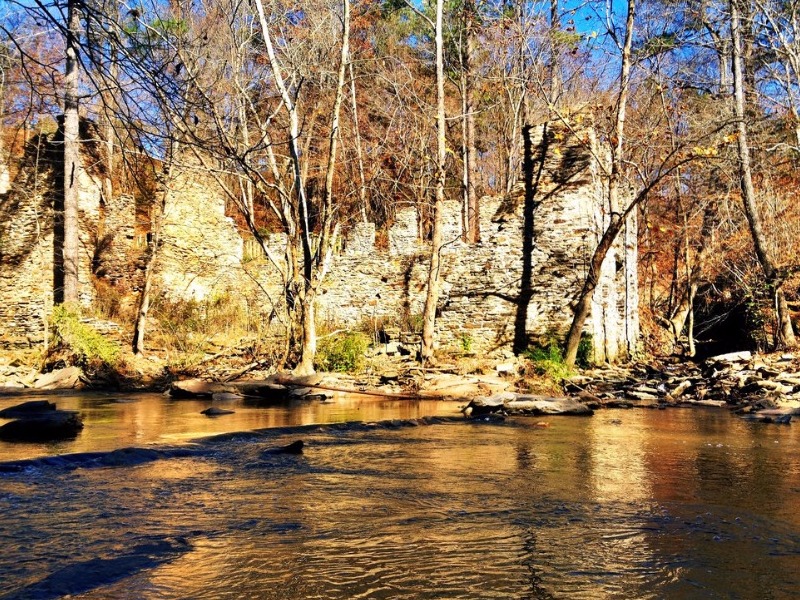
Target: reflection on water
<point>637,504</point>
<point>116,421</point>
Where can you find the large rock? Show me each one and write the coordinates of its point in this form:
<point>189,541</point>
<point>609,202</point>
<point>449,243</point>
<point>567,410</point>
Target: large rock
<point>195,388</point>
<point>457,386</point>
<point>543,405</point>
<point>731,357</point>
<point>262,389</point>
<point>60,379</point>
<point>527,405</point>
<point>27,409</point>
<point>44,427</point>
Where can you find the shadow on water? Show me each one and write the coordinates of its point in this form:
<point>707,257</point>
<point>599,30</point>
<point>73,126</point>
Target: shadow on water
<point>87,575</point>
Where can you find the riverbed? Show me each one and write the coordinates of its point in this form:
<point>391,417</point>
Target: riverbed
<point>624,504</point>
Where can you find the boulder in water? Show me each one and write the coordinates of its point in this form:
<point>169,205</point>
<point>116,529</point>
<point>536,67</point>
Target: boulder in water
<point>27,409</point>
<point>194,388</point>
<point>44,427</point>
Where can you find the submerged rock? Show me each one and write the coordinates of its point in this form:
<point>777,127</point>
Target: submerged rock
<point>43,427</point>
<point>293,448</point>
<point>215,411</point>
<point>225,396</point>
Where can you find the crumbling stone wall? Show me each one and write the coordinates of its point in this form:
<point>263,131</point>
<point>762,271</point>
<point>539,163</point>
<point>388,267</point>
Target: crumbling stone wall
<point>483,305</point>
<point>200,254</point>
<point>28,244</point>
<point>519,283</point>
<point>201,250</point>
<point>504,291</point>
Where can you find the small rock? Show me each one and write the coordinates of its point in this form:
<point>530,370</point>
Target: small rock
<point>12,385</point>
<point>293,448</point>
<point>679,390</point>
<point>391,348</point>
<point>641,395</point>
<point>215,411</point>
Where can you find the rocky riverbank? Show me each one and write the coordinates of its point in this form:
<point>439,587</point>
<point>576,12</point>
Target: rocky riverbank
<point>763,387</point>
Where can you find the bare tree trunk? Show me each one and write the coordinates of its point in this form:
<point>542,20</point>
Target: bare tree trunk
<point>694,271</point>
<point>785,334</point>
<point>144,299</point>
<point>4,174</point>
<point>328,233</point>
<point>432,295</point>
<point>470,158</point>
<point>464,156</point>
<point>308,343</point>
<point>555,63</point>
<point>109,109</point>
<point>362,188</point>
<point>71,157</point>
<point>616,218</point>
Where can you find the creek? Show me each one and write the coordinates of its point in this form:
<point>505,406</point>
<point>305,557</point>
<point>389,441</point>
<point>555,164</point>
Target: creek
<point>389,502</point>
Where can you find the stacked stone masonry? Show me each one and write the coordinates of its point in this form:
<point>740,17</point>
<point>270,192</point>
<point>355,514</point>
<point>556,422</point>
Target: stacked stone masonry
<point>541,235</point>
<point>481,306</point>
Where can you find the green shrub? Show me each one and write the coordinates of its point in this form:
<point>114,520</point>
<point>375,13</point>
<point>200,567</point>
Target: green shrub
<point>466,343</point>
<point>548,360</point>
<point>342,353</point>
<point>83,339</point>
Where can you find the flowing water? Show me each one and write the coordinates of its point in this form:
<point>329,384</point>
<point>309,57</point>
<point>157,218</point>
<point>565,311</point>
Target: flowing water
<point>625,504</point>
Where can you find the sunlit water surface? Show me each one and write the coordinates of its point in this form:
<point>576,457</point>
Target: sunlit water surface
<point>625,504</point>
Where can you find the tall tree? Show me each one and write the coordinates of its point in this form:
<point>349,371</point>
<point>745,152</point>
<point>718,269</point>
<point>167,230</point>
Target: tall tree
<point>616,216</point>
<point>470,172</point>
<point>784,335</point>
<point>432,292</point>
<point>72,158</point>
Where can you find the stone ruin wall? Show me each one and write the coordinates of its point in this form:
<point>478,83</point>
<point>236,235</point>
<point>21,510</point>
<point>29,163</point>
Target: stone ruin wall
<point>201,251</point>
<point>201,256</point>
<point>480,287</point>
<point>27,275</point>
